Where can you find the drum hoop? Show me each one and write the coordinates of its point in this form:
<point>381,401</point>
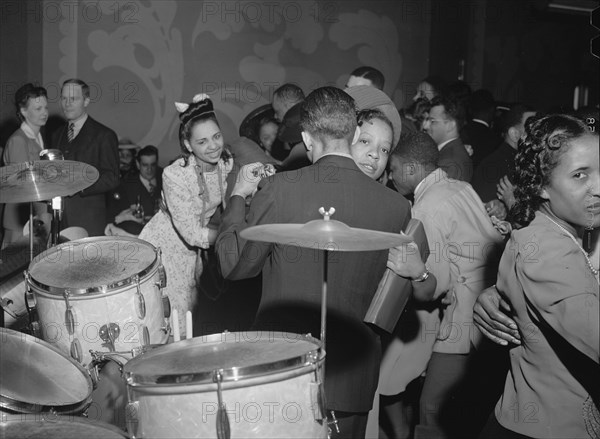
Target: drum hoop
<point>24,418</point>
<point>199,387</point>
<point>95,290</point>
<point>232,374</point>
<point>25,407</point>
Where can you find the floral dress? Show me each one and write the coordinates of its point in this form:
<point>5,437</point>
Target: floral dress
<point>191,195</point>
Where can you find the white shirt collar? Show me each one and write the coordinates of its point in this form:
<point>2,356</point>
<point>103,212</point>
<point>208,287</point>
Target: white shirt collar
<point>482,122</point>
<point>341,154</point>
<point>30,134</point>
<point>441,145</point>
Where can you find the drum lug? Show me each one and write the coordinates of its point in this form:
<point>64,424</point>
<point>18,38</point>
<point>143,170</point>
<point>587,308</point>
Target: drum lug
<point>69,315</point>
<point>31,304</point>
<point>162,274</point>
<point>223,427</point>
<point>131,418</point>
<point>317,399</point>
<point>141,302</point>
<point>166,306</point>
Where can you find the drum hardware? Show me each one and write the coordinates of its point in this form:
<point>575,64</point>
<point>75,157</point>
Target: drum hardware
<point>109,334</point>
<point>131,417</point>
<point>223,428</point>
<point>30,305</point>
<point>333,422</point>
<point>69,316</point>
<point>141,303</point>
<point>317,396</point>
<point>162,274</point>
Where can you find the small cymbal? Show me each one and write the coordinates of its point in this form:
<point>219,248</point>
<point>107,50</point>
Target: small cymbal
<point>43,180</point>
<point>325,234</point>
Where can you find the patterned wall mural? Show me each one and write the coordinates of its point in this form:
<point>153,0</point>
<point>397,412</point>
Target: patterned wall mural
<point>141,56</point>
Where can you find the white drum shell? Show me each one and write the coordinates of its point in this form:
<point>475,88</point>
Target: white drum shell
<point>91,311</point>
<point>271,404</point>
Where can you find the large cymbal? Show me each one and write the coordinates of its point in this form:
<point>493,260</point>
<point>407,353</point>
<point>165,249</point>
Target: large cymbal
<point>325,234</point>
<point>44,179</point>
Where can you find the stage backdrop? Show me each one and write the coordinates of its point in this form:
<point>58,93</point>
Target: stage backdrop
<point>139,57</point>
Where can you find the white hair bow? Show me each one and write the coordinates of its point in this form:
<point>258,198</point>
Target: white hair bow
<point>181,107</point>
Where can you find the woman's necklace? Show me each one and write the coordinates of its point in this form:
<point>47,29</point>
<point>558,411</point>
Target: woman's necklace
<point>570,235</point>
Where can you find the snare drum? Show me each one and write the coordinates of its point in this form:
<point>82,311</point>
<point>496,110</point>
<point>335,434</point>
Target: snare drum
<point>36,377</point>
<point>100,294</point>
<point>51,426</point>
<point>238,385</point>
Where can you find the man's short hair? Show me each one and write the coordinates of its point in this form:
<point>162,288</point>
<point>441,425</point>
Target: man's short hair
<point>289,92</point>
<point>418,148</point>
<point>148,150</point>
<point>85,89</point>
<point>513,117</point>
<point>452,107</point>
<point>370,73</point>
<point>329,113</point>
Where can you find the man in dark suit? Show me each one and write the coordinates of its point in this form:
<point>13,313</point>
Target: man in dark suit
<point>292,276</point>
<point>477,132</point>
<point>143,187</point>
<point>83,139</point>
<point>445,120</point>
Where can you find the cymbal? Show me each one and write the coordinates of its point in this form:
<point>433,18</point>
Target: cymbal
<point>325,234</point>
<point>44,179</point>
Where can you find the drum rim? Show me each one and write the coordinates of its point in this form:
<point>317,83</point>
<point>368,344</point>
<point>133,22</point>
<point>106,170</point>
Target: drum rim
<point>22,418</point>
<point>26,407</point>
<point>231,374</point>
<point>95,290</point>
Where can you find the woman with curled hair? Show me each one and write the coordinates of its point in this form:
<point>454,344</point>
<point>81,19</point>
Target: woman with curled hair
<point>193,189</point>
<point>548,276</point>
<point>24,145</point>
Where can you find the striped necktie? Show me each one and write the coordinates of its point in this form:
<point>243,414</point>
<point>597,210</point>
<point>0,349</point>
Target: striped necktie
<point>71,132</point>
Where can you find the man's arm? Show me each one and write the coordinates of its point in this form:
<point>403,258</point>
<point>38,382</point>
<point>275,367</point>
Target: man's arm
<point>107,163</point>
<point>490,317</point>
<point>238,258</point>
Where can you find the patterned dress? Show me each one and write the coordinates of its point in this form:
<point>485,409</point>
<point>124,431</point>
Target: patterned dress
<point>191,196</point>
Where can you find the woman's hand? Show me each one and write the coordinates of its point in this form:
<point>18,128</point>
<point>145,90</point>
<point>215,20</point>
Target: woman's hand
<point>127,215</point>
<point>490,316</point>
<point>248,178</point>
<point>505,192</point>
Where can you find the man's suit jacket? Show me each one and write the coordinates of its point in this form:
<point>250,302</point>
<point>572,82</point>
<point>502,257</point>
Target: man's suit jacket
<point>96,145</point>
<point>488,173</point>
<point>292,276</point>
<point>455,160</point>
<point>483,140</point>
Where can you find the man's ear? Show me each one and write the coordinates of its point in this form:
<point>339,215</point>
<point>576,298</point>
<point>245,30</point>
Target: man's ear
<point>356,135</point>
<point>307,139</point>
<point>86,102</point>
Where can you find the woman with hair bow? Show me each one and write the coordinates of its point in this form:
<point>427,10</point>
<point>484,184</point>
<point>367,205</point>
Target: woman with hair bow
<point>194,187</point>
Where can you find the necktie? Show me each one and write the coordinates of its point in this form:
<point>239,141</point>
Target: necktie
<point>71,132</point>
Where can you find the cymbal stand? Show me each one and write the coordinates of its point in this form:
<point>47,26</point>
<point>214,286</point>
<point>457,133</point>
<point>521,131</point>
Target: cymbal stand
<point>56,219</point>
<point>30,231</point>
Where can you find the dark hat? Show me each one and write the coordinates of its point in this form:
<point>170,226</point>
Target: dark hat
<point>369,98</point>
<point>251,123</point>
<point>290,130</point>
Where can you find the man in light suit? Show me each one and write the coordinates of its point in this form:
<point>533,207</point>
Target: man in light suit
<point>292,276</point>
<point>445,120</point>
<point>83,139</point>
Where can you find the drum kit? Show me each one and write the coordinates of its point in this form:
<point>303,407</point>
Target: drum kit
<point>98,303</point>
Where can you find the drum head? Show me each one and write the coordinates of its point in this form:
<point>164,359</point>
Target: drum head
<point>35,376</point>
<point>56,427</point>
<point>92,265</point>
<point>236,355</point>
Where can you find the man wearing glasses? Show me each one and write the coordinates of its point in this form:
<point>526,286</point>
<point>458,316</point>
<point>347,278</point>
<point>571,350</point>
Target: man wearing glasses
<point>446,117</point>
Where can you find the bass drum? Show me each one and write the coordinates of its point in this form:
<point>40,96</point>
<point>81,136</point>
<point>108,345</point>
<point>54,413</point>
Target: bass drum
<point>101,294</point>
<point>36,377</point>
<point>229,385</point>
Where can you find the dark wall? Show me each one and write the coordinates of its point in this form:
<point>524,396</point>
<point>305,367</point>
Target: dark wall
<point>529,52</point>
<point>20,56</point>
